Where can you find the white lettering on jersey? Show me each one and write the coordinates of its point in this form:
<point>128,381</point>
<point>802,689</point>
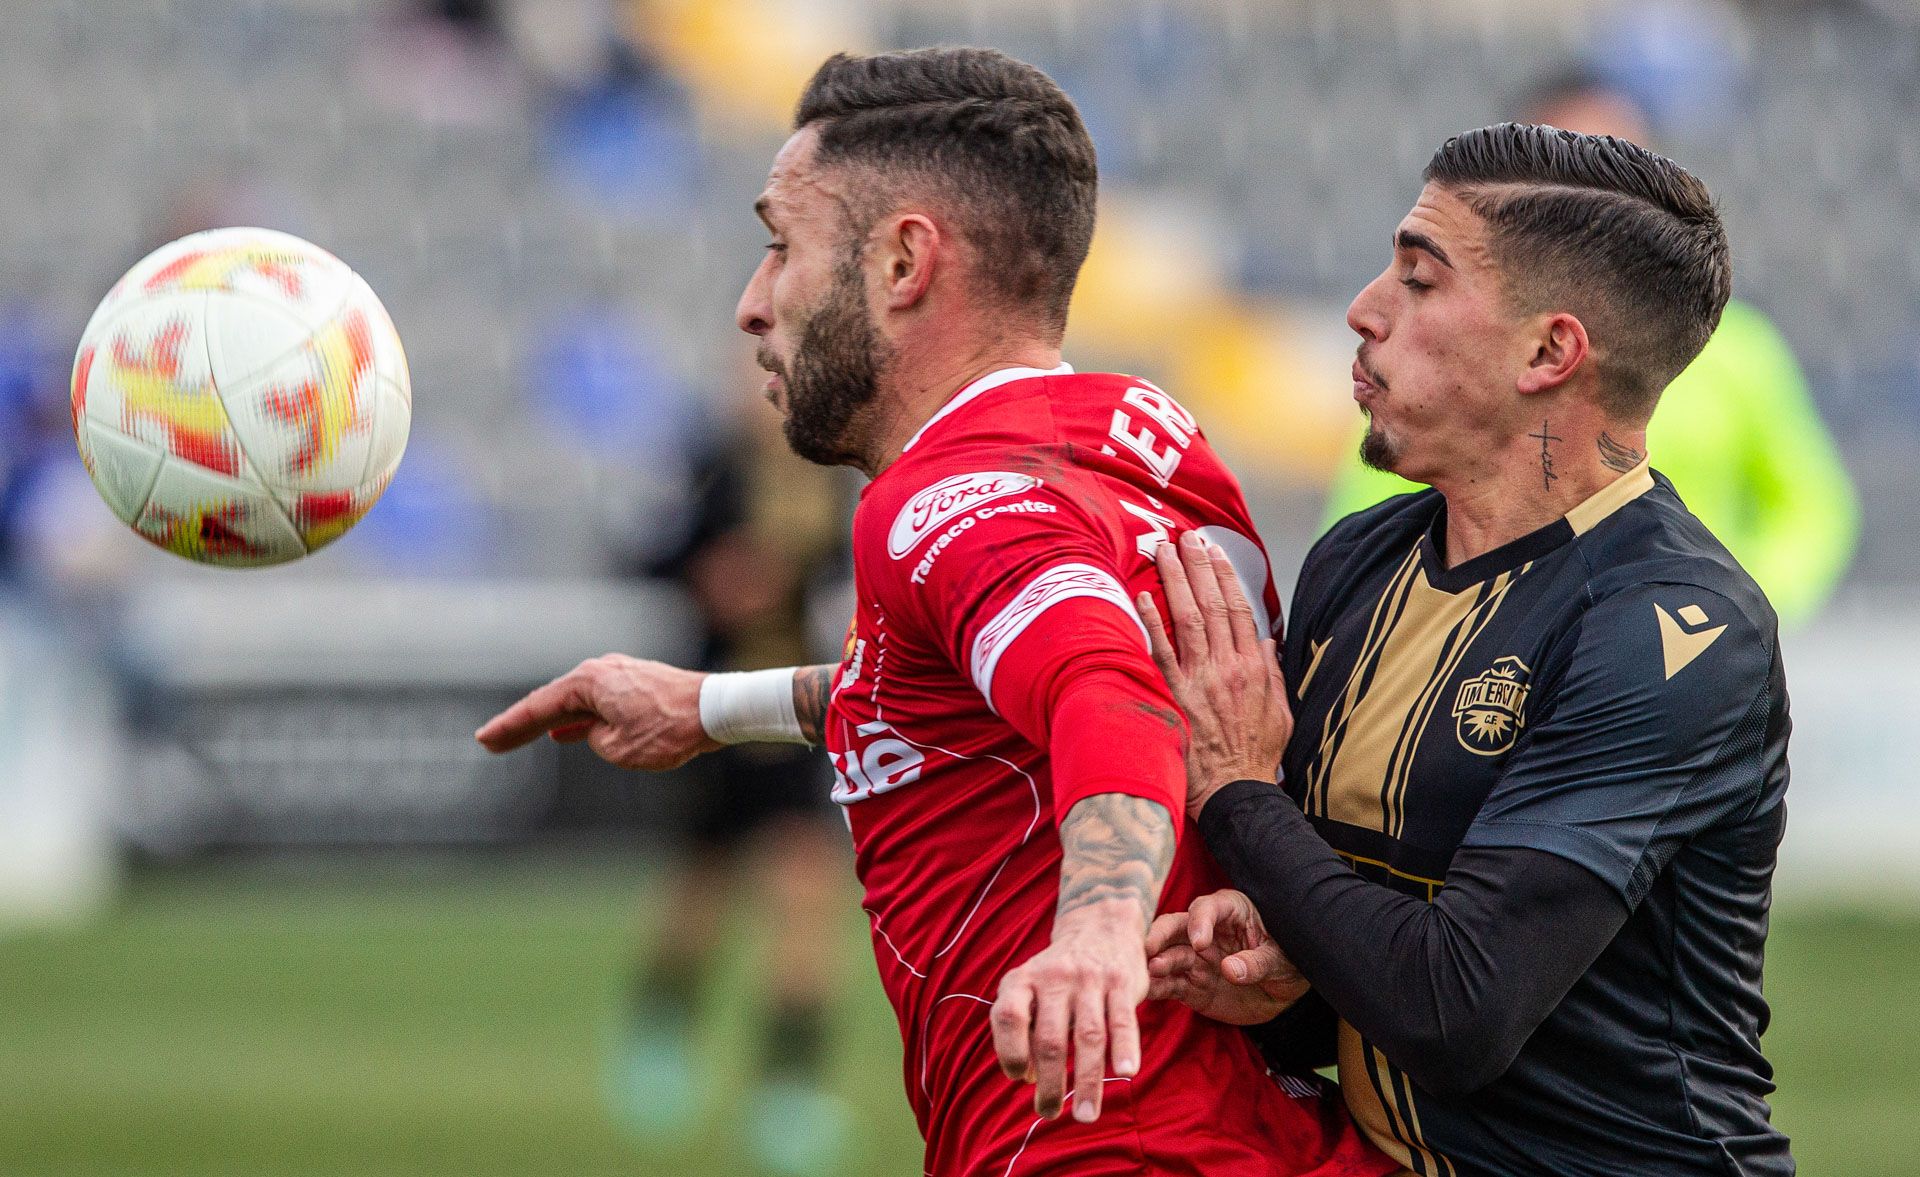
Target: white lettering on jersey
<point>949,497</point>
<point>872,767</point>
<point>850,674</point>
<point>1161,410</point>
<point>1062,582</point>
<point>1159,527</point>
<point>1023,507</point>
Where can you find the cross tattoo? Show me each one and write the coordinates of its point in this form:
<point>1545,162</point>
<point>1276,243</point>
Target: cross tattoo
<point>1547,476</point>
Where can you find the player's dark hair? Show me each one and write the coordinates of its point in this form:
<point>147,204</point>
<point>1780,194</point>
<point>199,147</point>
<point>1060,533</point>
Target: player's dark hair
<point>1628,241</point>
<point>996,139</point>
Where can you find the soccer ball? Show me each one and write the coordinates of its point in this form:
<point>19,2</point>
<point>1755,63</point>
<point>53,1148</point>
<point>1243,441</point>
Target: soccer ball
<point>240,398</point>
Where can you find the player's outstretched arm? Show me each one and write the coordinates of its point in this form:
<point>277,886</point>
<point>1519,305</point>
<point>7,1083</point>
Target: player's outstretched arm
<point>1084,988</point>
<point>647,715</point>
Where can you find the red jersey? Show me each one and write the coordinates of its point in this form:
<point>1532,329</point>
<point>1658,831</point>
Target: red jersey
<point>995,562</point>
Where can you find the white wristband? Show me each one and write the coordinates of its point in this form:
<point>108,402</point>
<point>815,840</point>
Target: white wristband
<point>749,706</point>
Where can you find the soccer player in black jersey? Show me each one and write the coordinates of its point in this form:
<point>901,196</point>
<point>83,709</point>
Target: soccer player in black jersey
<point>1535,782</point>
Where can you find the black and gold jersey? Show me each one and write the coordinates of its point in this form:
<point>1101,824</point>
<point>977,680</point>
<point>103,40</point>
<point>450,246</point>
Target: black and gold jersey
<point>1607,689</point>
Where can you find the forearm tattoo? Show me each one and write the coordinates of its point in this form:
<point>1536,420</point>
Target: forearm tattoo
<point>812,688</point>
<point>1114,847</point>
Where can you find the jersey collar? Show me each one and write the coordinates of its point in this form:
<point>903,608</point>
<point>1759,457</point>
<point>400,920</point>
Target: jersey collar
<point>1611,497</point>
<point>1535,544</point>
<point>980,387</point>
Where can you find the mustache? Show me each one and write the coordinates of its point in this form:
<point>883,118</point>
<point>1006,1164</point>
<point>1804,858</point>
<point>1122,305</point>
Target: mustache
<point>1373,374</point>
<point>770,362</point>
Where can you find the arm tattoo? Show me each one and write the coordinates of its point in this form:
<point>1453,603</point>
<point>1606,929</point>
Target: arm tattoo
<point>1115,847</point>
<point>812,687</point>
<point>1546,437</point>
<point>1616,456</point>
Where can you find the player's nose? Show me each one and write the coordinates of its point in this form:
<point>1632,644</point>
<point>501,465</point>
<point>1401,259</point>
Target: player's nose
<point>754,312</point>
<point>1365,314</point>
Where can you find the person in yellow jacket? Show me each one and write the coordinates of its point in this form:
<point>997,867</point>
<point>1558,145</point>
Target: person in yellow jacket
<point>1737,432</point>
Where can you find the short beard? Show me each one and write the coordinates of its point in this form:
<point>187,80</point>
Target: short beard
<point>835,373</point>
<point>1376,451</point>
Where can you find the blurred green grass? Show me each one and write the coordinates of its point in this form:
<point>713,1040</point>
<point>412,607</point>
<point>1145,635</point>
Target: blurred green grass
<point>453,1016</point>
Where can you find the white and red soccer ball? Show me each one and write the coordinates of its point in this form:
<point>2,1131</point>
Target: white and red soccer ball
<point>241,398</point>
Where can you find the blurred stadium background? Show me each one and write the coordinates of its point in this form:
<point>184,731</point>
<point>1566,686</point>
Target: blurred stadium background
<point>266,908</point>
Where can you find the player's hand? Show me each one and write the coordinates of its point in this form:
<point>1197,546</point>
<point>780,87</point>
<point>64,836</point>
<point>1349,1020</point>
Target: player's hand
<point>1225,675</point>
<point>1082,991</point>
<point>633,713</point>
<point>1217,958</point>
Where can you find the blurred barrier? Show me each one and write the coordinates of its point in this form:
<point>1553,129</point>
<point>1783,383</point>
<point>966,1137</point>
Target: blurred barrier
<point>224,631</point>
<point>1853,821</point>
<point>60,759</point>
<point>343,713</point>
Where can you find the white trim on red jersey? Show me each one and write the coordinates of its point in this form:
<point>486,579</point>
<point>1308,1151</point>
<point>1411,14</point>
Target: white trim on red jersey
<point>985,384</point>
<point>1062,582</point>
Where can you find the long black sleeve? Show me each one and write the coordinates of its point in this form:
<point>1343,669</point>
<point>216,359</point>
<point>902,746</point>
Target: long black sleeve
<point>1448,990</point>
<point>1303,1038</point>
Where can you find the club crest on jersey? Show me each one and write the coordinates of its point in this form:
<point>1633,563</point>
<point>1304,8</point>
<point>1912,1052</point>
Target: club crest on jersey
<point>1489,710</point>
<point>949,497</point>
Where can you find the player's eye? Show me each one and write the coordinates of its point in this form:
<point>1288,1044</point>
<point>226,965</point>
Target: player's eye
<point>776,247</point>
<point>1413,283</point>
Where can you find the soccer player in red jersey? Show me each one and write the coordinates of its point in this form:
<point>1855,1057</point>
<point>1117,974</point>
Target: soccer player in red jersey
<point>1007,755</point>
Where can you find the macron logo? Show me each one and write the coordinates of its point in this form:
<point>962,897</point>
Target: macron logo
<point>949,497</point>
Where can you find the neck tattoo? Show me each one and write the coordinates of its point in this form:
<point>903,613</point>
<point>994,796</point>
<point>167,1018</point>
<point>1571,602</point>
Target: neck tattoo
<point>1616,456</point>
<point>1547,438</point>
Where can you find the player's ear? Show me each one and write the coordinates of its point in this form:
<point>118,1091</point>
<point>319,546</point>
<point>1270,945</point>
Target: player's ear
<point>1559,347</point>
<point>909,247</point>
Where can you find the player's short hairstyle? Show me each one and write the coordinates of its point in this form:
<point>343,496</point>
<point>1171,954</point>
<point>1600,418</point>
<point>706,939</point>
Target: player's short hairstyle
<point>993,139</point>
<point>1626,240</point>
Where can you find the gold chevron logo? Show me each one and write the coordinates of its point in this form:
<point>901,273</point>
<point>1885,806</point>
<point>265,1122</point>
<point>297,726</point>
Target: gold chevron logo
<point>1683,643</point>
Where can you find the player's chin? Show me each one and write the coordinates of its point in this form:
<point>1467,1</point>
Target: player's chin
<point>1377,450</point>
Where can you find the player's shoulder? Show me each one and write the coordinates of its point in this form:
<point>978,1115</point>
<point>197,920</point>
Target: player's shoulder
<point>1031,405</point>
<point>1666,613</point>
<point>1387,529</point>
<point>901,512</point>
<point>1654,552</point>
<point>952,515</point>
<point>1107,431</point>
<point>1100,411</point>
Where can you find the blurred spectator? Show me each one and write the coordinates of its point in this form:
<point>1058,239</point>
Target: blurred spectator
<point>428,522</point>
<point>1737,432</point>
<point>443,61</point>
<point>31,422</point>
<point>627,136</point>
<point>745,61</point>
<point>59,562</point>
<point>754,535</point>
<point>627,421</point>
<point>617,123</point>
<point>767,531</point>
<point>1670,57</point>
<point>58,543</point>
